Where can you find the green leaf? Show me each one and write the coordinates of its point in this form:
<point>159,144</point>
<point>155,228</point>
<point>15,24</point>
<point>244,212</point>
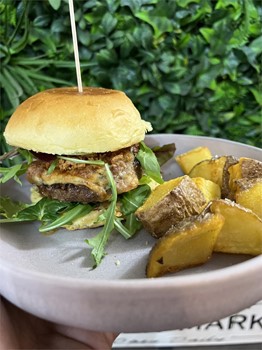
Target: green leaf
<point>82,161</point>
<point>157,59</point>
<point>258,96</point>
<point>178,88</point>
<point>100,240</point>
<point>52,166</point>
<point>135,5</point>
<point>106,57</point>
<point>108,22</point>
<point>132,224</point>
<point>159,24</point>
<point>13,172</point>
<point>128,227</point>
<point>208,34</point>
<point>26,83</point>
<point>41,21</point>
<point>45,78</point>
<point>164,153</point>
<point>66,217</point>
<point>256,45</point>
<point>206,79</point>
<point>8,207</point>
<point>55,4</point>
<point>27,155</point>
<point>10,91</point>
<point>149,163</point>
<point>44,210</point>
<point>133,199</point>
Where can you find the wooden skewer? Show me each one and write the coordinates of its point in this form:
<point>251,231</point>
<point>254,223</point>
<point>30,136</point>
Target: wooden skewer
<point>75,45</point>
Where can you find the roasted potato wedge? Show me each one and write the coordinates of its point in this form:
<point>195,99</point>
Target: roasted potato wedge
<point>188,244</point>
<point>242,230</point>
<point>245,168</point>
<point>249,194</point>
<point>216,170</point>
<point>188,160</point>
<point>210,189</point>
<point>169,203</point>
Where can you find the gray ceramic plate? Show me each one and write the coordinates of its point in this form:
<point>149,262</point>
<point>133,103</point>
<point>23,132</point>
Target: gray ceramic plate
<point>50,276</point>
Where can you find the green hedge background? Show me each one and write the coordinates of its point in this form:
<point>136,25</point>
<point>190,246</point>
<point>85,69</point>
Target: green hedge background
<point>190,66</point>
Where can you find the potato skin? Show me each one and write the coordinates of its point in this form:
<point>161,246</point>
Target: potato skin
<point>246,168</point>
<point>215,169</point>
<point>188,244</point>
<point>242,230</point>
<point>249,194</point>
<point>184,200</point>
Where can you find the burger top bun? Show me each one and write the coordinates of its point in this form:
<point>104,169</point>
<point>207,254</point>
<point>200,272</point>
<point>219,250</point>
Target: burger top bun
<point>64,121</point>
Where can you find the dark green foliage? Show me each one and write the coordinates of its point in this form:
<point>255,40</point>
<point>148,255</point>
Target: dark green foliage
<point>190,66</point>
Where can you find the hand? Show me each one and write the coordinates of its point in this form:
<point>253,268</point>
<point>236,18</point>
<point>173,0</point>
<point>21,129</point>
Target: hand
<point>21,330</point>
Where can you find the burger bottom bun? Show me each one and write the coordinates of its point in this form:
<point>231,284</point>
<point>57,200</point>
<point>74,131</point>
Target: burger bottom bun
<point>89,220</point>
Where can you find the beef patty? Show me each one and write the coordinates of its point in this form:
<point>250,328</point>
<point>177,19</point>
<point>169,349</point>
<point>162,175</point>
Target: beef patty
<point>86,183</point>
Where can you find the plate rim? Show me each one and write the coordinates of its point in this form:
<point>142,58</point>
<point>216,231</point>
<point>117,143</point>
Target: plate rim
<point>212,138</point>
<point>236,270</point>
<point>254,262</point>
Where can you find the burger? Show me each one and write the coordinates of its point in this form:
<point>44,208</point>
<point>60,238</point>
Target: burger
<point>97,124</point>
<point>78,140</point>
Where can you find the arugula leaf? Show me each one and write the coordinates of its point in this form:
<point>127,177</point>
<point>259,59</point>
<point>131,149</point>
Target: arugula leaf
<point>8,173</point>
<point>133,199</point>
<point>130,226</point>
<point>52,166</point>
<point>99,242</point>
<point>149,163</point>
<point>18,169</point>
<point>67,217</point>
<point>145,180</point>
<point>130,202</point>
<point>27,155</point>
<point>51,213</point>
<point>164,153</point>
<point>13,172</point>
<point>82,161</point>
<point>8,207</point>
<point>44,210</point>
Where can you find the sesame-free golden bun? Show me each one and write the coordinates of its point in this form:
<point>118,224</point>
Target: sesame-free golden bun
<point>65,121</point>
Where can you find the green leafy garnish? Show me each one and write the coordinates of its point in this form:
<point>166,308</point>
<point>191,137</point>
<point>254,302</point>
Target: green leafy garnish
<point>13,172</point>
<point>52,166</point>
<point>149,163</point>
<point>82,161</point>
<point>164,153</point>
<point>27,155</point>
<point>54,214</point>
<point>133,199</point>
<point>130,202</point>
<point>99,241</point>
<point>127,227</point>
<point>8,207</point>
<point>45,210</point>
<point>67,217</point>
